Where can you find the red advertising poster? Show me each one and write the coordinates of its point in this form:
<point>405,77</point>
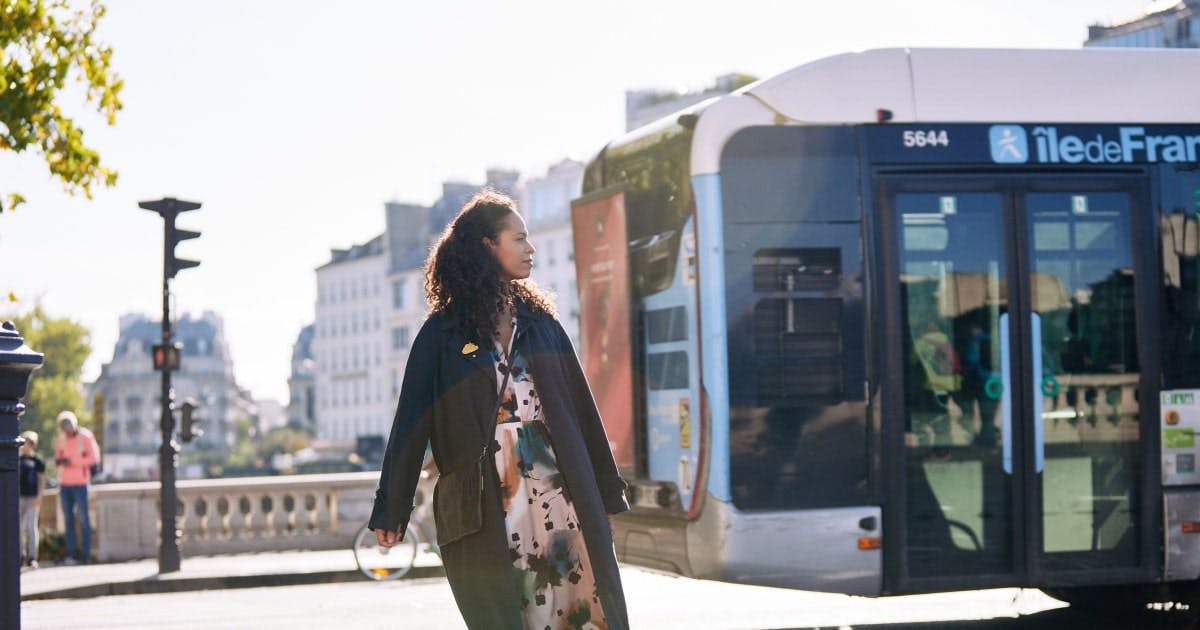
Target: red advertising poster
<point>602,275</point>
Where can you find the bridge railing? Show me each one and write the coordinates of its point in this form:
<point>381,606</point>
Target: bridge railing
<point>216,516</point>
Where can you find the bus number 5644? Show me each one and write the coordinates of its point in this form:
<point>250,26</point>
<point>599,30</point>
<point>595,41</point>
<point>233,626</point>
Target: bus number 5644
<point>931,138</point>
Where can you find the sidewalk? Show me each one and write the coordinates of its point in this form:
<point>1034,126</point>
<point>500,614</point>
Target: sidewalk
<point>284,568</point>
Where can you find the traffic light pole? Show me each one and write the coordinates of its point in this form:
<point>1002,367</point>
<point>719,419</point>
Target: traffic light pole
<point>168,551</point>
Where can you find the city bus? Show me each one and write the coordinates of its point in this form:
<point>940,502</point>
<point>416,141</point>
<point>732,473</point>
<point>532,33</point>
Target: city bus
<point>906,321</point>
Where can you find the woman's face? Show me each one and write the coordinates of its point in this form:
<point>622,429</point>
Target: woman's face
<point>512,249</point>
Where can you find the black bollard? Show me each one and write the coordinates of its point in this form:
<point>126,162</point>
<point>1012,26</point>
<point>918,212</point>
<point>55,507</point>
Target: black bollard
<point>17,362</point>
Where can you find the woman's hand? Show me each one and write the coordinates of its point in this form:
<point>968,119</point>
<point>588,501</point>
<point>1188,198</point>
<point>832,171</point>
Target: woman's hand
<point>385,538</point>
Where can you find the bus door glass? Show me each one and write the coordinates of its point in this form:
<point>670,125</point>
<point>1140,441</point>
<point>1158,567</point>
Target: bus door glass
<point>1085,375</point>
<point>953,277</point>
<point>1022,449</point>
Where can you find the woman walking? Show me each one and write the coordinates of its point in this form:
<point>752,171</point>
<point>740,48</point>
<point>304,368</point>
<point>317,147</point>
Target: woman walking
<point>494,387</point>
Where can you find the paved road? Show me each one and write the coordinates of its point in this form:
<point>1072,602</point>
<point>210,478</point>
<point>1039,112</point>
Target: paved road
<point>655,601</point>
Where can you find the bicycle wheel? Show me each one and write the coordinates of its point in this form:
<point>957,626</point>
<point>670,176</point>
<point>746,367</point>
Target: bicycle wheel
<point>384,563</point>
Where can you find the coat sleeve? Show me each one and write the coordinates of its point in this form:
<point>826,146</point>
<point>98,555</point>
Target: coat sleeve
<point>410,434</point>
<point>612,486</point>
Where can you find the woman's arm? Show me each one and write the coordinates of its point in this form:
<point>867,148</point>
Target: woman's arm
<point>411,429</point>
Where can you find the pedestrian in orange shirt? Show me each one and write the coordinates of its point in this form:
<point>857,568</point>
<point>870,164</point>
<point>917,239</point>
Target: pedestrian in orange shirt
<point>75,454</point>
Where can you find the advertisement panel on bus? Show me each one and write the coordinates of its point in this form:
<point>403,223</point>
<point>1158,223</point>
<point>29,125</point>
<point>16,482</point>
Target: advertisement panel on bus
<point>602,275</point>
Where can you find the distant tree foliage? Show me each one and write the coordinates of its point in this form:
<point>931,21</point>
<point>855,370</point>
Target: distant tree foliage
<point>284,440</point>
<point>42,42</point>
<point>56,386</point>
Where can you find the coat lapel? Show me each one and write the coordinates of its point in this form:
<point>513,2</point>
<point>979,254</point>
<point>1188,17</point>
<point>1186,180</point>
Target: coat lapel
<point>524,318</point>
<point>474,352</point>
<point>477,353</point>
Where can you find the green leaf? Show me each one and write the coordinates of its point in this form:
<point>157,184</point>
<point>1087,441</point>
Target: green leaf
<point>42,43</point>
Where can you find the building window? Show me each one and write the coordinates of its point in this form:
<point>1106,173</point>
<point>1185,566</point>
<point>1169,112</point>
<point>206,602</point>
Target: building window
<point>398,287</point>
<point>400,338</point>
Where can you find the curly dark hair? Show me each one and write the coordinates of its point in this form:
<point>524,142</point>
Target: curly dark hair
<point>462,275</point>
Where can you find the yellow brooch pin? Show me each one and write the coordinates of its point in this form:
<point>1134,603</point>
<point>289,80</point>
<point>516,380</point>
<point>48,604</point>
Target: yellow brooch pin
<point>469,347</point>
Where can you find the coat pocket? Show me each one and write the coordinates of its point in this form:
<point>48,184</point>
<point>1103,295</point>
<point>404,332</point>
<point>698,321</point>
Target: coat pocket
<point>458,503</point>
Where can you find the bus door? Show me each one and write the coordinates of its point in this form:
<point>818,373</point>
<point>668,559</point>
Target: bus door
<point>1013,340</point>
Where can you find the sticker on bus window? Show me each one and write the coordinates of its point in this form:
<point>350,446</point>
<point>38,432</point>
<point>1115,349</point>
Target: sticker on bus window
<point>1178,398</point>
<point>1185,463</point>
<point>689,253</point>
<point>685,423</point>
<point>1179,438</point>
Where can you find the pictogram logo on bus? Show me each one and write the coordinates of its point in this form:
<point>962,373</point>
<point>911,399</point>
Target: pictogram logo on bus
<point>1009,144</point>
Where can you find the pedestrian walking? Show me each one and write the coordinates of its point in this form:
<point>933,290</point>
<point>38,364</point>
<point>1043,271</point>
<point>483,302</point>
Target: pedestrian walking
<point>31,482</point>
<point>76,455</point>
<point>527,477</point>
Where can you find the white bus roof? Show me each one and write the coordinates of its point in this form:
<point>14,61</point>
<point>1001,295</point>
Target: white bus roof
<point>944,85</point>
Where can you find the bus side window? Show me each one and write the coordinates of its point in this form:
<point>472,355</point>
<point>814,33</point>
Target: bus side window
<point>1180,233</point>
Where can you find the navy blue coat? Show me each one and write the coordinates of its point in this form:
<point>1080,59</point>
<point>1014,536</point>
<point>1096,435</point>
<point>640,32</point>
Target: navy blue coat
<point>448,400</point>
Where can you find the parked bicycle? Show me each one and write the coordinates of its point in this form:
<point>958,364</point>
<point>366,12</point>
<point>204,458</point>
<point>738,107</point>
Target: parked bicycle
<point>391,563</point>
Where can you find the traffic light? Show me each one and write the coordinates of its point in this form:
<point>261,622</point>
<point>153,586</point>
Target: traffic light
<point>188,430</point>
<point>169,208</point>
<point>166,356</point>
<point>174,236</point>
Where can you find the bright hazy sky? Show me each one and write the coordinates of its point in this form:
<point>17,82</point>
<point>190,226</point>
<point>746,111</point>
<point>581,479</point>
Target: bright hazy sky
<point>293,121</point>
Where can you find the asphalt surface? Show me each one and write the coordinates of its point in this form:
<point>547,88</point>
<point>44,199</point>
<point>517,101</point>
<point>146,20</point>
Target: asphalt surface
<point>320,588</point>
<point>287,568</point>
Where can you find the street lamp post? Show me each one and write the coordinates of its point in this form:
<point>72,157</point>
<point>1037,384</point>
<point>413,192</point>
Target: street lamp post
<point>167,358</point>
<point>17,362</point>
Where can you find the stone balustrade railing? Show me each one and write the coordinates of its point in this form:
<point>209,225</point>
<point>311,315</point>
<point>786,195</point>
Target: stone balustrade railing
<point>1091,408</point>
<point>234,515</point>
<point>1075,408</point>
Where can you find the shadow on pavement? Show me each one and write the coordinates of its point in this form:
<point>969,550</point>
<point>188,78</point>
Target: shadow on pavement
<point>1057,619</point>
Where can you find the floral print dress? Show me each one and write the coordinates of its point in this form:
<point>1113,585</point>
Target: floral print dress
<point>550,562</point>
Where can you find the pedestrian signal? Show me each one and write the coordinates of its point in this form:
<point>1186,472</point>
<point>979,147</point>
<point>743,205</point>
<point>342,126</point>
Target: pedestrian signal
<point>166,357</point>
